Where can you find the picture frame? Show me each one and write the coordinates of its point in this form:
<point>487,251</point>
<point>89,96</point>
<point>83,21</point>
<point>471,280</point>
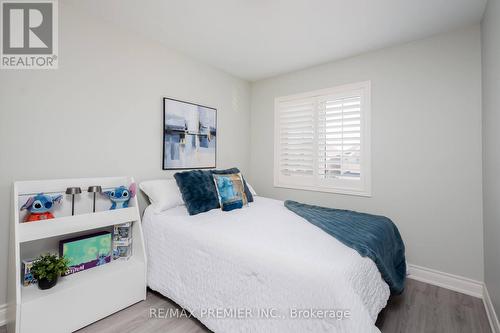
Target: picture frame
<point>86,251</point>
<point>189,135</point>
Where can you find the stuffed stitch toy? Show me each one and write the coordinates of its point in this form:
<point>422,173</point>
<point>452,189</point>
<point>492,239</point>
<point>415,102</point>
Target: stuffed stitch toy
<point>40,206</point>
<point>121,196</point>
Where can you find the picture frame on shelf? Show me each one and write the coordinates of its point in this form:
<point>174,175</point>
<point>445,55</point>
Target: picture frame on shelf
<point>85,252</point>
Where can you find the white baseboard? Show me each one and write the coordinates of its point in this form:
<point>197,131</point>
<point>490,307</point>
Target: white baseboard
<point>490,311</point>
<point>3,314</point>
<point>460,284</point>
<point>445,280</point>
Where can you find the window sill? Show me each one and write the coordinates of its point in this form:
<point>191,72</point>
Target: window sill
<point>358,193</point>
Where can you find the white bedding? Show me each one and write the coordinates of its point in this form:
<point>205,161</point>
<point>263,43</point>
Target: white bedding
<point>260,257</point>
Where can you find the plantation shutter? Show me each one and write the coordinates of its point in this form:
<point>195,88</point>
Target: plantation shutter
<point>322,140</point>
<point>339,137</point>
<point>296,137</point>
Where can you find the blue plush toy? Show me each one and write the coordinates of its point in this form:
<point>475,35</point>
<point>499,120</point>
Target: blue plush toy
<point>40,207</point>
<point>121,196</point>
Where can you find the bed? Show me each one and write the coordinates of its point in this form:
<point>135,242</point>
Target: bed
<point>261,269</point>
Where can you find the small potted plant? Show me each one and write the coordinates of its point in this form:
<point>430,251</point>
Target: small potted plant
<point>47,269</point>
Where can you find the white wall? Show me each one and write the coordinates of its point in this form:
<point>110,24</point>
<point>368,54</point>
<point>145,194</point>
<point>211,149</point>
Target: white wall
<point>491,151</point>
<point>100,113</point>
<point>426,144</point>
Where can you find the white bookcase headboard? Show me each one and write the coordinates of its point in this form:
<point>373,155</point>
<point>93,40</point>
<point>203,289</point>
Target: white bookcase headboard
<point>81,298</point>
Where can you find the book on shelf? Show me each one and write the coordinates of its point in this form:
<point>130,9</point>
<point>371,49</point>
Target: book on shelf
<point>28,278</point>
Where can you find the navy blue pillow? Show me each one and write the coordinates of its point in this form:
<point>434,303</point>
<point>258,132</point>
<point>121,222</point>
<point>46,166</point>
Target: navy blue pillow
<point>198,189</point>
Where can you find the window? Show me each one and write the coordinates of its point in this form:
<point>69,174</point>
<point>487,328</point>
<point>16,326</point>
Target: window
<point>322,140</point>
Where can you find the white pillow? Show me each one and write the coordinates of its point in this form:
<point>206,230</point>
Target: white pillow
<point>251,190</point>
<point>162,193</point>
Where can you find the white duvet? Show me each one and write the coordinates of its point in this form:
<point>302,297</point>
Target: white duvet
<point>261,269</point>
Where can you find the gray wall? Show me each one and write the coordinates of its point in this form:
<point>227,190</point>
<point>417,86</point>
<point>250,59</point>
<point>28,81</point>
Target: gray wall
<point>100,113</point>
<point>491,150</point>
<point>426,144</point>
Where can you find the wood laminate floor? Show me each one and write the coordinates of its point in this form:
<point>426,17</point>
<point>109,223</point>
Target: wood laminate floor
<point>421,308</point>
<point>426,308</point>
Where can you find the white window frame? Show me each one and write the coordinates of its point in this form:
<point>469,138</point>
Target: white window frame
<point>361,187</point>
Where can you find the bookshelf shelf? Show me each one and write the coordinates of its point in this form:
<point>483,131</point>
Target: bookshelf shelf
<point>114,271</point>
<point>71,224</point>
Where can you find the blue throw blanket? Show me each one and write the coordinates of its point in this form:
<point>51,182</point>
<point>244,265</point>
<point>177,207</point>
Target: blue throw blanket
<point>375,237</point>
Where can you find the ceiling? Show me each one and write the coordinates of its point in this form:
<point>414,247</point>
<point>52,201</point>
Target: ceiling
<point>256,39</point>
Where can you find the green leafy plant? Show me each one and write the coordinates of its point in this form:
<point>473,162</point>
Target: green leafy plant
<point>49,267</point>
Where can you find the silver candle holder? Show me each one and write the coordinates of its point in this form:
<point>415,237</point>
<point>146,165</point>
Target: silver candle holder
<point>94,190</point>
<point>73,191</point>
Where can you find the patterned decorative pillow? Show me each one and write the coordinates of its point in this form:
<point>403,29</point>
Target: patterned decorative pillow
<point>231,191</point>
<point>231,171</point>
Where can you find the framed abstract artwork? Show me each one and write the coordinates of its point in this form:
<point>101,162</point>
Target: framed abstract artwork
<point>189,135</point>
